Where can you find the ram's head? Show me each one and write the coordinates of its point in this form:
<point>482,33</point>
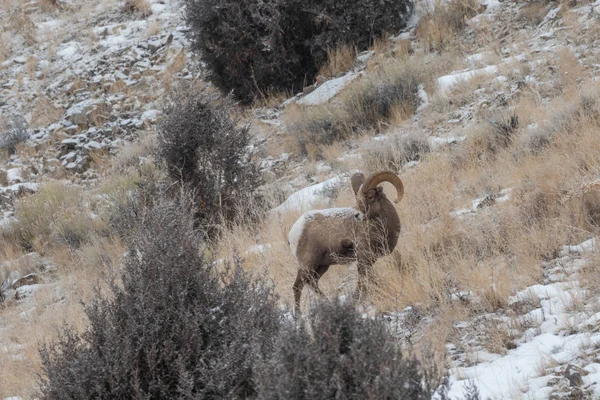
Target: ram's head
<point>369,195</point>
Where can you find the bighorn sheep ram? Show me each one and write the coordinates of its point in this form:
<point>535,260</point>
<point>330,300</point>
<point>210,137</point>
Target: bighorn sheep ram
<point>363,233</point>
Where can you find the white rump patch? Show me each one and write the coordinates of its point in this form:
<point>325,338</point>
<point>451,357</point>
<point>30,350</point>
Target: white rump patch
<point>295,233</point>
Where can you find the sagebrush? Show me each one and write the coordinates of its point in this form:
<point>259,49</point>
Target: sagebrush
<point>205,150</point>
<point>172,326</point>
<point>337,354</point>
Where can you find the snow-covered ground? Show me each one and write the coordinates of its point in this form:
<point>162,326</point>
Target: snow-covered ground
<point>557,345</point>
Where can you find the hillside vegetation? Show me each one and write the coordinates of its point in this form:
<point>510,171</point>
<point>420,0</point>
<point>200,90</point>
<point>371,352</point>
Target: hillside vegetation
<point>154,160</point>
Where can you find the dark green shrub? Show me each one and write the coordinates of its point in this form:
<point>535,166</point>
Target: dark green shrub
<point>245,47</point>
<point>254,47</point>
<point>205,150</point>
<point>337,354</point>
<point>13,132</point>
<point>173,327</point>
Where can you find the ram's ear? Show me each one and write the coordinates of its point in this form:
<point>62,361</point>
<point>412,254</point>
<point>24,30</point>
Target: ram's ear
<point>357,180</point>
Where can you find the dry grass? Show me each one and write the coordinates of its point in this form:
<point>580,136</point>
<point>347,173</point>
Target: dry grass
<point>177,63</point>
<point>393,152</point>
<point>56,216</point>
<point>313,127</point>
<point>154,27</point>
<point>134,153</point>
<point>492,254</point>
<point>389,93</point>
<point>5,47</point>
<point>142,7</point>
<point>40,319</point>
<point>58,223</point>
<point>532,12</point>
<point>438,27</point>
<point>49,5</point>
<point>339,61</point>
<point>44,112</point>
<point>21,23</point>
<point>387,96</point>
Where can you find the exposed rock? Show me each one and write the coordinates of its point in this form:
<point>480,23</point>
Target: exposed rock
<point>81,113</point>
<point>69,157</point>
<point>26,291</point>
<point>14,175</point>
<point>92,145</point>
<point>70,144</point>
<point>30,279</point>
<point>486,201</point>
<point>365,56</point>
<point>574,375</point>
<point>154,45</point>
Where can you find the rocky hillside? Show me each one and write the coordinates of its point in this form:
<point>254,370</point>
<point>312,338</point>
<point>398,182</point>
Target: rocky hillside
<point>495,278</point>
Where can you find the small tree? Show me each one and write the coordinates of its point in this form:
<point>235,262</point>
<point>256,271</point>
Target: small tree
<point>206,150</point>
<point>174,327</point>
<point>337,354</point>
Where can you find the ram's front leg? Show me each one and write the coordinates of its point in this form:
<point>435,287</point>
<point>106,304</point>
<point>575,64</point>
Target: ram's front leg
<point>364,274</point>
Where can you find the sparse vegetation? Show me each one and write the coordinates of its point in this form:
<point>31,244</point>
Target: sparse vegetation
<point>339,61</point>
<point>443,20</point>
<point>56,216</point>
<point>318,126</point>
<point>389,92</point>
<point>142,7</point>
<point>501,171</point>
<point>14,131</point>
<point>206,151</point>
<point>386,97</point>
<point>392,153</point>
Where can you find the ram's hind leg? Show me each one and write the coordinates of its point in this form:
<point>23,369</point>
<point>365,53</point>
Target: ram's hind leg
<point>311,277</point>
<point>314,279</point>
<point>298,286</point>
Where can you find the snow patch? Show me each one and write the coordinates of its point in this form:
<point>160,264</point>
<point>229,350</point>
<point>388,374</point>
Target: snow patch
<point>327,90</point>
<point>259,248</point>
<point>14,175</point>
<point>158,8</point>
<point>69,52</point>
<point>581,248</point>
<point>303,199</point>
<point>151,115</point>
<point>447,81</point>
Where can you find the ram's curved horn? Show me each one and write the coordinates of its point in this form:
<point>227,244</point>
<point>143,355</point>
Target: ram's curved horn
<point>384,176</point>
